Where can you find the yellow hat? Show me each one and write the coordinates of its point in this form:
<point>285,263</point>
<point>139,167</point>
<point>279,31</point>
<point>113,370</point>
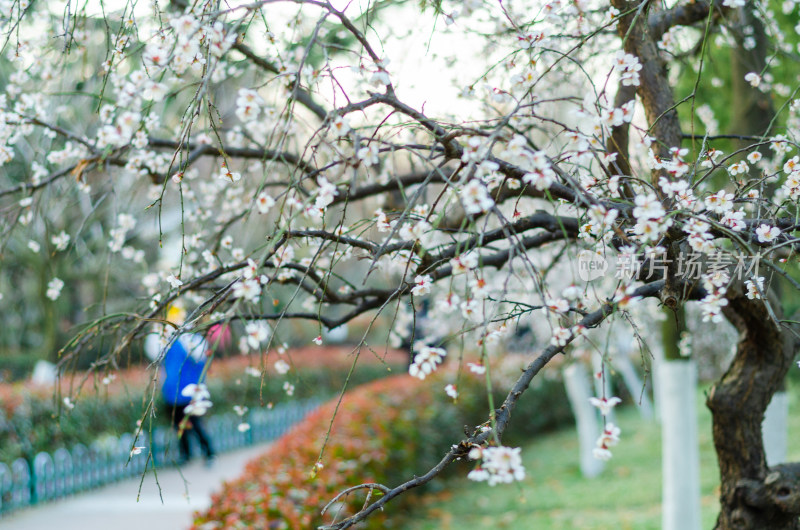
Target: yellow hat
<point>176,314</point>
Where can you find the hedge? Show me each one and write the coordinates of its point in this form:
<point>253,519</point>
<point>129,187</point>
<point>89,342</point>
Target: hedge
<point>385,432</point>
<point>33,419</point>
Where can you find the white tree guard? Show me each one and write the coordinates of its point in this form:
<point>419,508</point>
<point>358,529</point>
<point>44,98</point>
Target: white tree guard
<point>680,449</point>
<point>579,390</point>
<point>774,428</point>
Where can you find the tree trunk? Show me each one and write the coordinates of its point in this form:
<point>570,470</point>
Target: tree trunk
<point>752,495</point>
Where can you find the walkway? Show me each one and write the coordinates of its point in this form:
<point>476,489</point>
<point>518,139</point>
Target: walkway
<point>115,507</point>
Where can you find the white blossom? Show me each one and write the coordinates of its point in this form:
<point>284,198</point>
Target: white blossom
<point>173,281</point>
<point>54,287</point>
<point>767,234</point>
<point>628,67</point>
<point>264,202</point>
<point>754,288</point>
<point>751,77</point>
<point>475,198</point>
<point>605,405</point>
<point>257,332</point>
<point>422,285</point>
<point>426,361</point>
<point>499,465</point>
<point>60,241</point>
<point>340,125</point>
<point>560,337</point>
<point>282,367</point>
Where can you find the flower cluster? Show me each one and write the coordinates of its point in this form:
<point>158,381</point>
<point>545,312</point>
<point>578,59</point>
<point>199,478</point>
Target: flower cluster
<point>248,105</point>
<point>716,284</point>
<point>257,333</point>
<point>125,223</point>
<point>628,66</point>
<point>426,361</point>
<point>609,438</point>
<point>200,399</point>
<point>54,287</point>
<point>475,197</point>
<point>498,465</point>
<point>754,287</point>
<point>651,220</point>
<point>541,176</point>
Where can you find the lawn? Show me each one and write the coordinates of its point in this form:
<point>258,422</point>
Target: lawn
<point>555,495</point>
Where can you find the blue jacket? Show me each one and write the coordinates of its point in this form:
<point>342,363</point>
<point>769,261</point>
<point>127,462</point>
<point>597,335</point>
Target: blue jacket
<point>182,368</point>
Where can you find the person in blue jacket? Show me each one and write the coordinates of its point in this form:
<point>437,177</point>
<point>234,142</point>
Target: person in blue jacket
<point>183,390</point>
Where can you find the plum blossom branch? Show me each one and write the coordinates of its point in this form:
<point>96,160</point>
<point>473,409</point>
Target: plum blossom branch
<point>503,414</point>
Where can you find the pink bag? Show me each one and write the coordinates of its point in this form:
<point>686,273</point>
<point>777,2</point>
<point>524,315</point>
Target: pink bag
<point>219,336</point>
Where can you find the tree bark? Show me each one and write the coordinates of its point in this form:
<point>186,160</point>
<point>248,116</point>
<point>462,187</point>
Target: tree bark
<point>752,495</point>
<point>654,89</point>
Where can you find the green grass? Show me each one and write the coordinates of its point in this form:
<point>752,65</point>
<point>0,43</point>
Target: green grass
<point>555,495</point>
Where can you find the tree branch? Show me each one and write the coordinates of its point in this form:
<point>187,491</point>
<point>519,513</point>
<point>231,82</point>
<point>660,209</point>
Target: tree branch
<point>684,14</point>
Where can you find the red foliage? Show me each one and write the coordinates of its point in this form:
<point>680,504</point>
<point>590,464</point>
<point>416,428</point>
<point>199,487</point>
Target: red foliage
<point>331,357</point>
<point>375,430</point>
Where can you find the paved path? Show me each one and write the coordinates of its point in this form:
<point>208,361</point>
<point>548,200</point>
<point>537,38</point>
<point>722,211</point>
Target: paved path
<point>115,507</point>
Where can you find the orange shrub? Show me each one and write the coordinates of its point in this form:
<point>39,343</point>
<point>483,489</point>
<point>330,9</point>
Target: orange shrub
<point>376,437</point>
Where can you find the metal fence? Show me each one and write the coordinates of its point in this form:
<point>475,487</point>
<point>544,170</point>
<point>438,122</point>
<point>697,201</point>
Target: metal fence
<point>53,476</point>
